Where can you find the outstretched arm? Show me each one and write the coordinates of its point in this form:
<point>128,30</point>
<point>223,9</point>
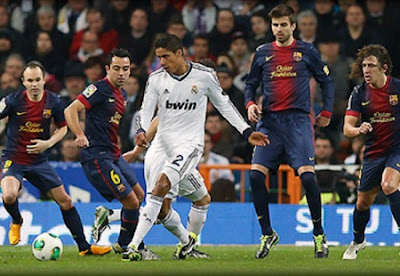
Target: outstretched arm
<point>132,155</point>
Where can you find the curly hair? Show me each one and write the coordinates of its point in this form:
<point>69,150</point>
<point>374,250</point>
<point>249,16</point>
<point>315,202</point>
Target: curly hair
<point>375,50</point>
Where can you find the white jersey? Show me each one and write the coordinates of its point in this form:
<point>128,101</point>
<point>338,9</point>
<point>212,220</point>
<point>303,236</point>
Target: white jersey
<point>182,106</point>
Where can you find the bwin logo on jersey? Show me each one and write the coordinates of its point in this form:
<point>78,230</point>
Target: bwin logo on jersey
<point>186,105</point>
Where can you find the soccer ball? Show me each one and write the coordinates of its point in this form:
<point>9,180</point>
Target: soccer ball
<point>47,247</point>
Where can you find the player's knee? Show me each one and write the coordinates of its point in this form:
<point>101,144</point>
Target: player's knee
<point>206,200</point>
<point>130,202</point>
<point>9,198</point>
<point>363,204</point>
<point>388,187</point>
<point>139,194</point>
<point>65,202</point>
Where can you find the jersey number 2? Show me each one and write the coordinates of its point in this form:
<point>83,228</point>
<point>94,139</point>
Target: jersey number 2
<point>178,158</point>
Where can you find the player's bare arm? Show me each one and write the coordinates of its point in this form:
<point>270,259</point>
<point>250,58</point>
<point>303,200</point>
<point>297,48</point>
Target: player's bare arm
<point>71,114</point>
<point>39,146</point>
<point>132,155</point>
<point>350,130</point>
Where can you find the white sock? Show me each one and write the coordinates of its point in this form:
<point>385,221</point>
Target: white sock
<point>114,215</point>
<point>147,218</point>
<point>172,222</point>
<point>197,218</point>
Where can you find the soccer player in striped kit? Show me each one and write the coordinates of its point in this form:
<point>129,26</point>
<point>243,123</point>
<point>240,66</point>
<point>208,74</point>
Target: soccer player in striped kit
<point>376,101</point>
<point>30,113</point>
<point>284,67</point>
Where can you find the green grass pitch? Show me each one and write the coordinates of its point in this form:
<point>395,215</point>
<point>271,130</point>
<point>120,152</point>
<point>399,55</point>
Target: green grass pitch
<point>226,260</point>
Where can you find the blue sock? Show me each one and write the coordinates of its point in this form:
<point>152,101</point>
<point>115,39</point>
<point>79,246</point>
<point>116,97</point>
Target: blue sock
<point>129,220</point>
<point>13,210</point>
<point>360,221</point>
<point>394,200</point>
<point>260,200</point>
<point>73,221</point>
<point>313,196</point>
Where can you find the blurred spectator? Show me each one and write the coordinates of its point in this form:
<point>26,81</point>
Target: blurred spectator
<point>224,59</point>
<point>324,149</point>
<point>108,38</point>
<point>69,150</point>
<point>14,65</point>
<point>119,15</point>
<point>211,158</point>
<point>307,26</point>
<point>15,36</point>
<point>160,13</point>
<point>223,190</point>
<point>239,51</point>
<point>45,53</point>
<point>356,34</point>
<point>74,81</point>
<point>9,84</point>
<point>133,103</point>
<point>138,40</point>
<point>260,30</point>
<point>199,16</point>
<point>6,47</point>
<point>176,27</point>
<point>221,35</point>
<point>328,19</point>
<point>245,11</point>
<point>295,5</point>
<point>201,49</point>
<point>45,20</point>
<point>152,62</point>
<point>15,13</point>
<point>221,138</point>
<point>72,17</point>
<point>357,147</point>
<point>235,95</point>
<point>89,47</point>
<point>94,69</point>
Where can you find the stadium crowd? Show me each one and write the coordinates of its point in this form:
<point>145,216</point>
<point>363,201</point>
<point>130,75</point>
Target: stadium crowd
<point>71,38</point>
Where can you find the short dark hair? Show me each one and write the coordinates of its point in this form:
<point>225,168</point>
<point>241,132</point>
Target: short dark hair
<point>202,36</point>
<point>324,136</point>
<point>376,50</point>
<point>169,42</point>
<point>119,52</point>
<point>283,10</point>
<point>33,64</point>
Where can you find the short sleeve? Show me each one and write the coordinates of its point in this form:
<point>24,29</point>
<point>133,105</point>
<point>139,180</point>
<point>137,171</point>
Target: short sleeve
<point>91,96</point>
<point>5,106</point>
<point>354,104</point>
<point>58,113</point>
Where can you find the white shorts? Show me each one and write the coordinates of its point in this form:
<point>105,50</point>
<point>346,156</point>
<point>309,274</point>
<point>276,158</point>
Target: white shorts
<point>188,181</point>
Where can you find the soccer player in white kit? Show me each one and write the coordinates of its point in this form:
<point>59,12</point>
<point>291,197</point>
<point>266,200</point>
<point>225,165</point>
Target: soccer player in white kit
<point>180,91</point>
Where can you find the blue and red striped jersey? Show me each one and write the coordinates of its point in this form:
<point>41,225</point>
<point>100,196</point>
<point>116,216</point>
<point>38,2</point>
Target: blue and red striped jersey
<point>284,73</point>
<point>105,105</point>
<point>381,108</point>
<point>29,120</point>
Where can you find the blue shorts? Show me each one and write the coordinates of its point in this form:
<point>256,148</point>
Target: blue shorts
<point>292,140</point>
<point>372,170</point>
<point>112,178</point>
<point>41,175</point>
